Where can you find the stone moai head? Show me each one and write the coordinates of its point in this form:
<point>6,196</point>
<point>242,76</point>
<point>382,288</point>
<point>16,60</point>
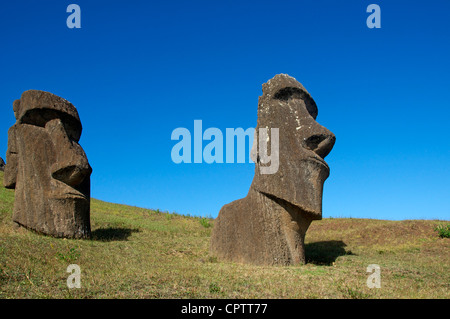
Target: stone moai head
<point>268,226</point>
<point>302,146</point>
<point>47,167</point>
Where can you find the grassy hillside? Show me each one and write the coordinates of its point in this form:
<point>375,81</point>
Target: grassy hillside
<point>141,253</point>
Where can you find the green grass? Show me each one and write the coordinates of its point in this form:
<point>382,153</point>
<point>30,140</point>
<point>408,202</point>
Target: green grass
<point>205,222</point>
<point>443,230</point>
<point>142,253</point>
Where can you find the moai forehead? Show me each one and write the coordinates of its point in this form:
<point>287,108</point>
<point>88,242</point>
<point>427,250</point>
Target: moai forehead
<point>38,107</point>
<point>283,87</point>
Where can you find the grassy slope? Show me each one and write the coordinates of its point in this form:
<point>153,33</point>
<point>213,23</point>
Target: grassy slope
<point>140,253</point>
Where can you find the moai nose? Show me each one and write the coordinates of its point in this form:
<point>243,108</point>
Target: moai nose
<point>71,166</point>
<point>320,143</point>
<point>72,175</point>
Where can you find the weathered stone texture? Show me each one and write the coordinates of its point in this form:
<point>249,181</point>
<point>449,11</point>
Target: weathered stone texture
<point>47,167</point>
<point>268,226</point>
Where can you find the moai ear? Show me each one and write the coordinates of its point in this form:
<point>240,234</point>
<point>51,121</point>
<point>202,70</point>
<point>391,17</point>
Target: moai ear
<point>254,150</point>
<point>11,167</point>
<point>10,177</point>
<point>16,108</point>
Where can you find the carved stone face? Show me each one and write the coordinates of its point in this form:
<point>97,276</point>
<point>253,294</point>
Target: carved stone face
<point>47,167</point>
<point>303,144</point>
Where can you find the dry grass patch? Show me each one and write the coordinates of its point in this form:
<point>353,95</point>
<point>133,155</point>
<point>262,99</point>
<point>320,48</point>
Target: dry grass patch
<point>142,253</point>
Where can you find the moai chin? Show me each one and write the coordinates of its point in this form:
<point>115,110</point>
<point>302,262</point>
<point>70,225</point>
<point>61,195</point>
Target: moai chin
<point>268,226</point>
<point>47,167</point>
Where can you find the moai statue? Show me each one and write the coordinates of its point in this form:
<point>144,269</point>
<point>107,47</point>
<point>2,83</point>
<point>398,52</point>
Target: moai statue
<point>47,167</point>
<point>268,226</point>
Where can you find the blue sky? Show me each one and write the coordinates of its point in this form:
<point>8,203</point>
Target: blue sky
<point>137,70</point>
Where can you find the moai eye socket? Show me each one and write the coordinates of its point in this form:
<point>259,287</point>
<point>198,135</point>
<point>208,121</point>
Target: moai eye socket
<point>289,93</point>
<point>40,117</point>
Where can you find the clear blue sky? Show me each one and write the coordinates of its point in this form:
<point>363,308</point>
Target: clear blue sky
<point>136,70</point>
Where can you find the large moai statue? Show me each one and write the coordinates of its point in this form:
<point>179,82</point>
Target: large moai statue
<point>47,167</point>
<point>268,226</point>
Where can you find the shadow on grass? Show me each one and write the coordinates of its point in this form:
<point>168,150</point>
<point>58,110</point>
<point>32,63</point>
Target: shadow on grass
<point>112,234</point>
<point>325,252</point>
